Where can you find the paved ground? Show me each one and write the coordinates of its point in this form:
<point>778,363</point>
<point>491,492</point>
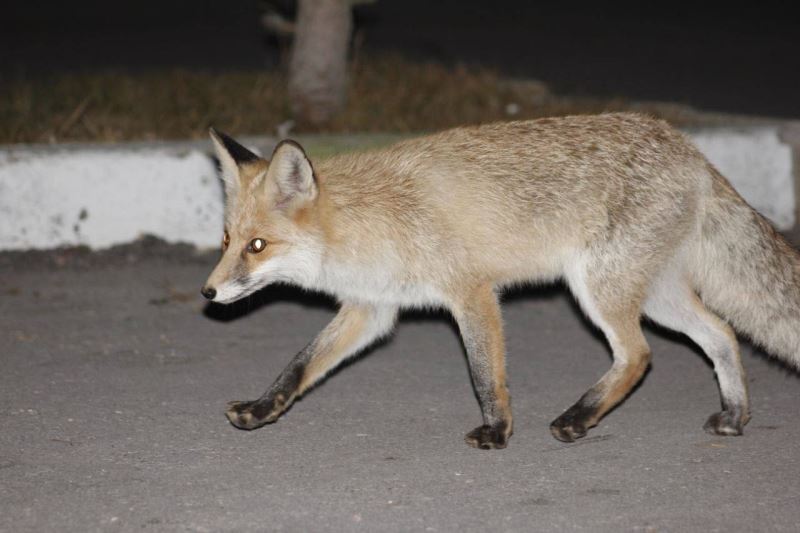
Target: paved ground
<point>115,376</point>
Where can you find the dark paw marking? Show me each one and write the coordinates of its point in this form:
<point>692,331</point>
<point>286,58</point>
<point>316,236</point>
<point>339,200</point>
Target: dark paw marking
<point>567,432</point>
<point>573,424</point>
<point>488,437</point>
<point>725,423</point>
<point>252,415</point>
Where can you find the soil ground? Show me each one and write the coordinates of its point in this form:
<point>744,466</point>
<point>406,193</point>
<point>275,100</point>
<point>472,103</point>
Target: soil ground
<point>116,374</point>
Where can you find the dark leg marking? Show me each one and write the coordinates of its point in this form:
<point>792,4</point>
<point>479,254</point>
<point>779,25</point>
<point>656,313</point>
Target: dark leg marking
<point>729,422</point>
<point>575,421</point>
<point>488,437</point>
<point>482,334</point>
<point>267,409</point>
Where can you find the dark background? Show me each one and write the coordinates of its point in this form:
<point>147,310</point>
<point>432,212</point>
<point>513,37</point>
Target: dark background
<point>728,58</point>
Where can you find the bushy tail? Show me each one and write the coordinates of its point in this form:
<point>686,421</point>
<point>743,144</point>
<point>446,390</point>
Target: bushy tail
<point>746,272</point>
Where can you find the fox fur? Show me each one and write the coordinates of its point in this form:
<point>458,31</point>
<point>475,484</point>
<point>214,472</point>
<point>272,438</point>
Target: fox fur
<point>622,207</point>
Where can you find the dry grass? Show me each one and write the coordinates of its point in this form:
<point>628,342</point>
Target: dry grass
<point>387,94</point>
<point>159,105</point>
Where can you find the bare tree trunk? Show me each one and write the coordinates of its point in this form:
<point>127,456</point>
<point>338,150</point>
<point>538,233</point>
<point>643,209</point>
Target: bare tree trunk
<point>318,66</point>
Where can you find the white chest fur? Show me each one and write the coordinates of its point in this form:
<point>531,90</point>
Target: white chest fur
<point>384,283</point>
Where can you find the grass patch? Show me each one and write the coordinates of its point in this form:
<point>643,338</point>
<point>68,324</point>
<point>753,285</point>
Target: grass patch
<point>387,94</point>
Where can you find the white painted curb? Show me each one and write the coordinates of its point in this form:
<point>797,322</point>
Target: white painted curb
<point>759,164</point>
<point>99,196</point>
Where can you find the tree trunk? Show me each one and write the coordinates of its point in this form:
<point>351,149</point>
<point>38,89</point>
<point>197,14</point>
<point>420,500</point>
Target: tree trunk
<point>318,66</point>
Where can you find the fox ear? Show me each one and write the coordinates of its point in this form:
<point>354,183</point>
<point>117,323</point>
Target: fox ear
<point>293,174</point>
<point>231,156</point>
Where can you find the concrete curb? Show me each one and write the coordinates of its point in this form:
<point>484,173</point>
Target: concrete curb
<point>101,195</point>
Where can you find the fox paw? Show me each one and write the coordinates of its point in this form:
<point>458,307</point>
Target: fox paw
<point>725,423</point>
<point>488,437</point>
<point>252,415</point>
<point>567,432</point>
<point>571,425</point>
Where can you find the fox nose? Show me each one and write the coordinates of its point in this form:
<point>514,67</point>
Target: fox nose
<point>208,292</point>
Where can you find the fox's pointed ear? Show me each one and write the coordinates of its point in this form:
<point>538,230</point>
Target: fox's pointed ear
<point>231,156</point>
<point>293,174</point>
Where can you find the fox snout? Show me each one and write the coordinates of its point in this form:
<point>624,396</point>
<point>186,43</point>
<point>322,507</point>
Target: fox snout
<point>208,292</point>
<point>226,292</point>
<point>231,281</point>
<point>223,288</point>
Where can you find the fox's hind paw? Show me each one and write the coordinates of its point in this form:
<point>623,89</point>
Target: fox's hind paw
<point>726,423</point>
<point>573,423</point>
<point>567,432</point>
<point>252,415</point>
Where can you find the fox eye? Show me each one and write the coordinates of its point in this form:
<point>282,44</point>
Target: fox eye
<point>256,245</point>
<point>226,240</point>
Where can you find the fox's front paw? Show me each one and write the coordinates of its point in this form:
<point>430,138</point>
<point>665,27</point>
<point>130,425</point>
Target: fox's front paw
<point>726,423</point>
<point>488,437</point>
<point>252,415</point>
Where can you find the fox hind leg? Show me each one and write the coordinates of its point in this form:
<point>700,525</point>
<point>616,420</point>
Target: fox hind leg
<point>614,307</point>
<point>673,304</point>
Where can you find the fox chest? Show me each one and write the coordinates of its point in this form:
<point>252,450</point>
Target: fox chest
<point>377,285</point>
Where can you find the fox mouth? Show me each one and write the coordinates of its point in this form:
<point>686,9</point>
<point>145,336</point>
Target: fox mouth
<point>228,299</point>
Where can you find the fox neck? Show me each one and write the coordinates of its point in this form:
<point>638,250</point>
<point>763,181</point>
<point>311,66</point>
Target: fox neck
<point>356,261</point>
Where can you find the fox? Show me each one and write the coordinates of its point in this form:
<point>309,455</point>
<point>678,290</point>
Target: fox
<point>621,207</point>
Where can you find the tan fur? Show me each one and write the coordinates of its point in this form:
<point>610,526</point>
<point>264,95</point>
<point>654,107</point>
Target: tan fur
<point>332,344</point>
<point>621,206</point>
<point>479,318</point>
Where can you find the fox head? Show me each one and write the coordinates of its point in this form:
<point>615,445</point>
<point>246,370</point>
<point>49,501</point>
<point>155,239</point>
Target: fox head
<point>270,213</point>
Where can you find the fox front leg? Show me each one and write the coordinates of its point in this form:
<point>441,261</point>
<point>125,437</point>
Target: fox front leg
<point>272,404</point>
<point>355,327</point>
<point>481,328</point>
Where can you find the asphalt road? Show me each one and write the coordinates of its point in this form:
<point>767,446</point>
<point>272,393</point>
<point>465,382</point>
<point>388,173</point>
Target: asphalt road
<point>115,377</point>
